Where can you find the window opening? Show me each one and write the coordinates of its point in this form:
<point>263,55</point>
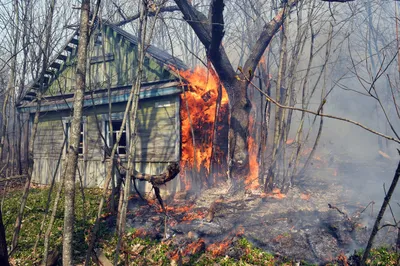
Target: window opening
<point>116,127</point>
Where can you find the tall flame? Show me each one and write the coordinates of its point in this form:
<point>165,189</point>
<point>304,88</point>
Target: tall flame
<point>198,113</point>
<point>251,180</point>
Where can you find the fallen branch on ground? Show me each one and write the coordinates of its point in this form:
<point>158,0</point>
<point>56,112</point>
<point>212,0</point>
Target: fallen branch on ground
<point>341,212</point>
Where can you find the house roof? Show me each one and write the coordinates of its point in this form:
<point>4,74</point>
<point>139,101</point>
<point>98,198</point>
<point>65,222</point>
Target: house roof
<point>153,51</point>
<point>100,97</point>
<point>72,44</point>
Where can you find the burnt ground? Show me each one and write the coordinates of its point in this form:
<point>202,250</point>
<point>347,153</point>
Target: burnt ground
<point>300,226</point>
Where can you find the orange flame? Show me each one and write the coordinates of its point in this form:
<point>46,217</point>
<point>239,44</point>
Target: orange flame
<point>197,113</point>
<point>275,194</point>
<point>194,248</point>
<point>251,181</point>
<point>240,230</point>
<point>219,248</point>
<point>193,215</point>
<point>305,196</point>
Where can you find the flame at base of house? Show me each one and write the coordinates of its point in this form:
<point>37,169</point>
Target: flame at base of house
<point>204,128</point>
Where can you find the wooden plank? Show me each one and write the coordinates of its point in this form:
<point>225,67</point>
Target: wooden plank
<point>165,132</point>
<point>156,150</point>
<point>155,157</point>
<point>62,57</point>
<point>156,140</point>
<point>75,41</point>
<point>161,122</point>
<point>153,119</point>
<point>55,65</point>
<point>50,139</point>
<point>100,59</point>
<point>69,48</point>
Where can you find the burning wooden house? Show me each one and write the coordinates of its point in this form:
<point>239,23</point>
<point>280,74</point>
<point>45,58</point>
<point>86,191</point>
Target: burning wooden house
<point>112,67</point>
<point>112,64</point>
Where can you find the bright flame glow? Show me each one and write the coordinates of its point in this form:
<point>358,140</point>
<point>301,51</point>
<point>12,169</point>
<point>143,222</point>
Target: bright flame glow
<point>251,181</point>
<point>198,109</point>
<point>219,248</point>
<point>275,194</point>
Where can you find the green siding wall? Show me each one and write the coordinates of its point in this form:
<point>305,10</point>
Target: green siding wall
<point>158,140</point>
<point>114,64</point>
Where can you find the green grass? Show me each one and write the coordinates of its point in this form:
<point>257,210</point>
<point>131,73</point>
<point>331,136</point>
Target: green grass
<point>382,256</point>
<point>144,251</point>
<point>33,215</point>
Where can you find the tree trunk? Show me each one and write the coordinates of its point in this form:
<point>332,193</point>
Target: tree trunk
<point>72,159</point>
<point>11,80</point>
<point>238,133</point>
<point>279,113</point>
<point>385,203</point>
<point>210,31</point>
<point>52,218</point>
<point>46,55</point>
<point>3,244</point>
<point>132,128</point>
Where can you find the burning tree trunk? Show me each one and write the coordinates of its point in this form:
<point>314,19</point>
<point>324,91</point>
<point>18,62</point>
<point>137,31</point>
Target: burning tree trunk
<point>215,158</point>
<point>210,31</point>
<point>72,159</point>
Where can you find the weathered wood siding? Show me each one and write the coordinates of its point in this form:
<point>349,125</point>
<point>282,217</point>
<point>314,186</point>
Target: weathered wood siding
<point>158,141</point>
<point>113,60</point>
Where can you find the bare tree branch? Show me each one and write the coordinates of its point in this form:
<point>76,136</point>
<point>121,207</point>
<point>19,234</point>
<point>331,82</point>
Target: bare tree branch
<point>322,115</point>
<point>217,27</point>
<point>164,9</point>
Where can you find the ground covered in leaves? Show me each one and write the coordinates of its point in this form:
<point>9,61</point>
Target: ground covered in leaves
<point>140,247</point>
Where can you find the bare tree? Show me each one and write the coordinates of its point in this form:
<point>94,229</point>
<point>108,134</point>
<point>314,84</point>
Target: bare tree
<point>45,54</point>
<point>72,158</point>
<point>132,126</point>
<point>210,31</point>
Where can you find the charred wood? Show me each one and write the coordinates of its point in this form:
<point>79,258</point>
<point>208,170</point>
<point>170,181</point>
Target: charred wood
<point>160,200</point>
<point>170,172</point>
<point>212,210</point>
<point>341,212</point>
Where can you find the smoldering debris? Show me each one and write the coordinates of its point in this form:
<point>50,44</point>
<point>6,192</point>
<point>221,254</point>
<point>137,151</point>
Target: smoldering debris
<point>316,222</point>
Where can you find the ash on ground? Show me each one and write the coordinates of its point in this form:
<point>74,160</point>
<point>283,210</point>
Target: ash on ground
<point>316,221</point>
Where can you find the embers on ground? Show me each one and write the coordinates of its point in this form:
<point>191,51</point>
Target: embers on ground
<point>300,226</point>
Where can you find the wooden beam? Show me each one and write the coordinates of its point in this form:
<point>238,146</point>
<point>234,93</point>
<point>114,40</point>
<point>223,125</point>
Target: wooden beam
<point>62,57</point>
<point>69,48</point>
<point>75,41</point>
<point>55,65</point>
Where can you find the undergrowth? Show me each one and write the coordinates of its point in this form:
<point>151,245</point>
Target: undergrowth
<point>136,250</point>
<point>86,208</point>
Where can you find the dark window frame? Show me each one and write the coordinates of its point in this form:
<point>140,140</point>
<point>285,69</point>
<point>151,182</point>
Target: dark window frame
<point>116,124</point>
<point>82,151</point>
